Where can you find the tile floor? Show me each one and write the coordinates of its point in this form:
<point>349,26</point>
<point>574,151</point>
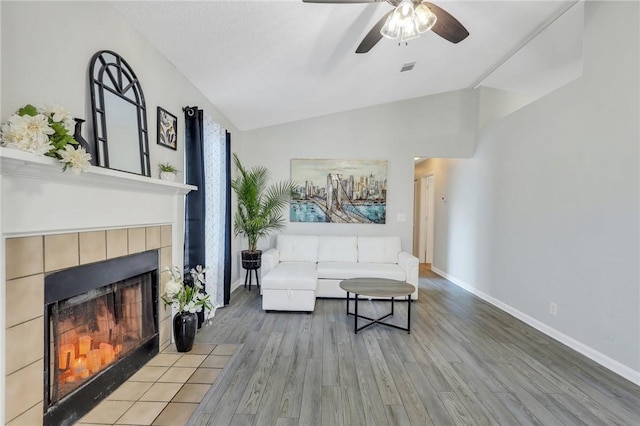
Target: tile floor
<point>166,391</point>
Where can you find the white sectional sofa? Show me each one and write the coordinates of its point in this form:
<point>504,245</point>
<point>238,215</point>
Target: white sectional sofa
<point>303,267</point>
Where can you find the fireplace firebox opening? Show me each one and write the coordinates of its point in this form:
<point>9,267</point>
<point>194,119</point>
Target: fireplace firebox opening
<point>101,326</point>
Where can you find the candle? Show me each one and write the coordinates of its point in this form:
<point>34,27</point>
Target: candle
<point>66,356</point>
<point>80,367</point>
<point>94,360</point>
<point>106,351</point>
<point>84,345</point>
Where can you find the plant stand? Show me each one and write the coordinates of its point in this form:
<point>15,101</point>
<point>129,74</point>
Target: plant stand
<point>248,276</point>
<point>251,261</point>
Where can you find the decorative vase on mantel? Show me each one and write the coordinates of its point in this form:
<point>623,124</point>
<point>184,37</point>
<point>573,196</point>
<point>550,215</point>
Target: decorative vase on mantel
<point>185,325</point>
<point>168,176</point>
<point>77,135</point>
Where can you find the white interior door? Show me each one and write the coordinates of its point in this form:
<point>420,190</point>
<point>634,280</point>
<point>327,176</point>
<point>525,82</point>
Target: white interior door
<point>424,204</point>
<point>430,218</point>
<point>416,217</point>
<point>425,219</point>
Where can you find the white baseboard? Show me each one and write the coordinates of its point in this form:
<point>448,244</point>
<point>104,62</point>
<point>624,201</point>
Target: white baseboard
<point>235,285</point>
<point>602,359</point>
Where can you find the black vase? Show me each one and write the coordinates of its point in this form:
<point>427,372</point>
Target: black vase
<point>77,135</point>
<point>185,325</point>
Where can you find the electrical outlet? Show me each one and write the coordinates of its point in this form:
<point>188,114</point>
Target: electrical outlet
<point>553,309</point>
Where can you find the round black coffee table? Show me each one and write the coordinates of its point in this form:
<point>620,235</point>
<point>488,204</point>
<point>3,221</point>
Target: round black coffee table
<point>377,287</point>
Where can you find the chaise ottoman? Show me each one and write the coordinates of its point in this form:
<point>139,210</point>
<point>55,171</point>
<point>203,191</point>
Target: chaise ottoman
<point>291,285</point>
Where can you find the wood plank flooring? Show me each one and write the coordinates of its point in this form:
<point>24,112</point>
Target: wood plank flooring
<point>465,362</point>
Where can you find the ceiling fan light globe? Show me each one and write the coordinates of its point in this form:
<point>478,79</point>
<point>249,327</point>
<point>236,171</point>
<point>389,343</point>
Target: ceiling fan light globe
<point>404,10</point>
<point>391,27</point>
<point>425,19</point>
<point>409,32</point>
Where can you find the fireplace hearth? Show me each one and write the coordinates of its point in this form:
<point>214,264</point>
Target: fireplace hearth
<point>101,326</point>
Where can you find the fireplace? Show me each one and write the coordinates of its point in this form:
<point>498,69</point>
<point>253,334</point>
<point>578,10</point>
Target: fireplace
<point>54,221</point>
<point>101,326</point>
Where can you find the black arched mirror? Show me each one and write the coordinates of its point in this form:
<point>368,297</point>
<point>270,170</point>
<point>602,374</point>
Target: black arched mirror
<point>119,115</point>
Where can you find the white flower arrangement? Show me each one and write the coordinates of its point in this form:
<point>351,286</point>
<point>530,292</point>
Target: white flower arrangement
<point>46,131</point>
<point>186,297</point>
<point>76,158</point>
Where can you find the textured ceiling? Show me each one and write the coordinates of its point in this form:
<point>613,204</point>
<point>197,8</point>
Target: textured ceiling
<point>270,62</point>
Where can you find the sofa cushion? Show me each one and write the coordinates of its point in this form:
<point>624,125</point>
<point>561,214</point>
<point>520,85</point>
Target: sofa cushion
<point>297,248</point>
<point>337,249</point>
<point>292,275</point>
<point>342,270</point>
<point>378,249</point>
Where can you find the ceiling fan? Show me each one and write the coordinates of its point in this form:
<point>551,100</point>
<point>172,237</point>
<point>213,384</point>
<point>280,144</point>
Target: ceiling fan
<point>407,20</point>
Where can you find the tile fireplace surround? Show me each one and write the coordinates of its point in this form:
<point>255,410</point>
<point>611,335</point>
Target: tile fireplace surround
<point>52,220</point>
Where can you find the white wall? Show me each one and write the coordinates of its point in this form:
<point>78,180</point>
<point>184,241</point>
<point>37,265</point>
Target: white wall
<point>548,208</point>
<point>441,125</point>
<point>46,49</point>
<point>494,104</point>
<point>3,290</point>
<point>48,63</point>
<point>45,52</point>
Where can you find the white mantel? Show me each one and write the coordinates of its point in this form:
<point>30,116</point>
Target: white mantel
<point>38,198</point>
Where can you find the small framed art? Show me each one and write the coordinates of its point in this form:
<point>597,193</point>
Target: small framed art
<point>167,129</point>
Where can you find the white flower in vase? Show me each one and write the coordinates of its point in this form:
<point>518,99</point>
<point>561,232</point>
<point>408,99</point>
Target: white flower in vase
<point>76,158</point>
<point>61,114</point>
<point>186,297</point>
<point>197,274</point>
<point>28,133</point>
<point>47,132</point>
<point>192,308</point>
<point>172,288</point>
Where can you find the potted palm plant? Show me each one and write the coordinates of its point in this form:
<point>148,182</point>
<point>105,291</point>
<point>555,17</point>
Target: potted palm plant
<point>167,171</point>
<point>260,208</point>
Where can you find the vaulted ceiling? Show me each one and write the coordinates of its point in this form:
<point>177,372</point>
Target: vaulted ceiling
<point>270,62</point>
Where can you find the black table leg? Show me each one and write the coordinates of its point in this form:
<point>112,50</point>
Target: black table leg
<point>401,292</point>
<point>378,320</point>
<point>409,315</point>
<point>347,303</point>
<point>355,317</point>
<point>246,276</point>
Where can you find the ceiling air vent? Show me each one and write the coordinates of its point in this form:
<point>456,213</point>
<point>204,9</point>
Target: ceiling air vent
<point>407,67</point>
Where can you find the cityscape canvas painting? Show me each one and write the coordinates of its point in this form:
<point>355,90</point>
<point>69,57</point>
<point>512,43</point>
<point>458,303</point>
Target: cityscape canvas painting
<point>339,191</point>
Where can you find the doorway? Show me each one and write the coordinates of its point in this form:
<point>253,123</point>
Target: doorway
<point>424,218</point>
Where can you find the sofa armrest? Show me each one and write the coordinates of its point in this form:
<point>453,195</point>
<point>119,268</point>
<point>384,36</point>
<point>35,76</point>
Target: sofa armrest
<point>410,265</point>
<point>270,260</point>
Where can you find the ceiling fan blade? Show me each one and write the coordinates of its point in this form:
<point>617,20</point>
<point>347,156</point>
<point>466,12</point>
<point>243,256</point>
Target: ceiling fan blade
<point>343,1</point>
<point>447,27</point>
<point>373,36</point>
